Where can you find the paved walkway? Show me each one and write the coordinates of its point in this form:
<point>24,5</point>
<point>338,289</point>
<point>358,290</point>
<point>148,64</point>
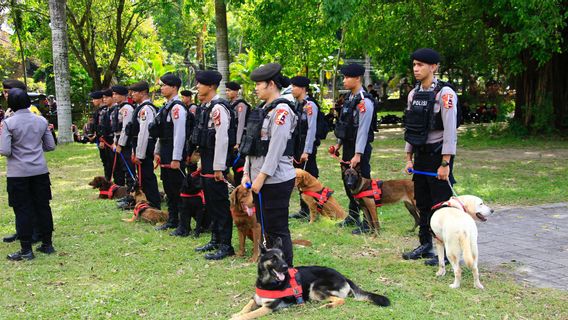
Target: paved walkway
<point>531,240</point>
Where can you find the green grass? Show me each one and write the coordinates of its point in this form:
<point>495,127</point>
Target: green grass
<point>106,268</point>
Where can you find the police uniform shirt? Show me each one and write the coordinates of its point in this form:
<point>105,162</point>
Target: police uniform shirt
<point>193,108</point>
<point>145,116</point>
<point>311,112</point>
<point>177,115</point>
<point>241,110</point>
<point>366,111</point>
<point>24,136</point>
<point>278,126</point>
<point>125,116</point>
<point>219,119</point>
<point>449,136</point>
<point>111,110</point>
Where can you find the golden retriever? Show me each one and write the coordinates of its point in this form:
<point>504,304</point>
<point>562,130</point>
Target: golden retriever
<point>307,183</point>
<point>143,211</point>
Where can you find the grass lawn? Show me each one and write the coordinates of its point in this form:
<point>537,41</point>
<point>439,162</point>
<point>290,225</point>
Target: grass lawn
<point>105,268</point>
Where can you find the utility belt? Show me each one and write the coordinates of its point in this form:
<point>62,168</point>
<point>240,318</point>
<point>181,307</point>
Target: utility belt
<point>429,148</point>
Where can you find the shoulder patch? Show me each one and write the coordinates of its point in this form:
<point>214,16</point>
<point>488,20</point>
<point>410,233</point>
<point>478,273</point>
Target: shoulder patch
<point>448,100</point>
<point>280,118</point>
<point>124,112</point>
<point>308,109</point>
<point>240,108</point>
<point>175,112</point>
<point>142,115</point>
<point>217,117</point>
<point>361,106</point>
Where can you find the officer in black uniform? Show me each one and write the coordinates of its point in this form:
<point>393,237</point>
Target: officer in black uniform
<point>110,125</point>
<point>187,99</point>
<point>213,136</point>
<point>122,143</point>
<point>269,146</point>
<point>169,151</point>
<point>431,140</point>
<point>241,108</point>
<point>307,142</point>
<point>98,115</point>
<point>142,143</point>
<point>354,131</point>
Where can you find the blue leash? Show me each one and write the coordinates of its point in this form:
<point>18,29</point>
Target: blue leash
<point>248,185</point>
<point>236,160</point>
<point>424,173</point>
<point>127,167</point>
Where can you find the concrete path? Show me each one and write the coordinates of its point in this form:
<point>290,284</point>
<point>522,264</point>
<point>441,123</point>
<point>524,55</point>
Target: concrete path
<point>533,241</point>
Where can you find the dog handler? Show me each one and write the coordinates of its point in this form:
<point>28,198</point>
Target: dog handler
<point>431,139</point>
<point>269,146</point>
<point>23,139</point>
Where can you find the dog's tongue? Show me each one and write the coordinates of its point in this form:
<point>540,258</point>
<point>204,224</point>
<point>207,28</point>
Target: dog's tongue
<point>481,217</point>
<point>251,211</point>
<point>280,276</point>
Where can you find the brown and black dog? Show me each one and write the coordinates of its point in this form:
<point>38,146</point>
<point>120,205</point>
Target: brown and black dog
<point>310,187</point>
<point>388,191</point>
<point>143,211</point>
<point>107,189</point>
<point>244,217</point>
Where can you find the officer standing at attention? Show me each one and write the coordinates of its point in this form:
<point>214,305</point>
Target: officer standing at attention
<point>213,137</point>
<point>431,140</point>
<point>123,145</point>
<point>169,151</point>
<point>354,131</point>
<point>269,146</point>
<point>307,143</point>
<point>23,139</point>
<point>110,124</point>
<point>142,144</point>
<point>98,115</point>
<point>186,98</point>
<point>241,108</point>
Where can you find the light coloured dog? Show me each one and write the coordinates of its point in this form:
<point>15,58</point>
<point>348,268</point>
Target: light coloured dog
<point>453,227</point>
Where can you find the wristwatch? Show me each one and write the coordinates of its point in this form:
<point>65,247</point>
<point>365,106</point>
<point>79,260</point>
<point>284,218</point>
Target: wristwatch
<point>445,163</point>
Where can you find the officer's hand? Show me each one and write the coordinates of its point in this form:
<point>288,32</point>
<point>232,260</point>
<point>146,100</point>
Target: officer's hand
<point>174,164</point>
<point>136,161</point>
<point>219,176</point>
<point>443,173</point>
<point>236,148</point>
<point>355,160</point>
<point>118,148</point>
<point>409,165</point>
<point>188,159</point>
<point>101,145</point>
<point>157,158</point>
<point>304,157</point>
<point>245,179</point>
<point>258,182</point>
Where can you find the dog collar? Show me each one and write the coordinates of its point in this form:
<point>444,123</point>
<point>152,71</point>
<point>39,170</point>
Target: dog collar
<point>293,289</point>
<point>445,204</point>
<point>110,192</point>
<point>139,208</point>
<point>199,194</point>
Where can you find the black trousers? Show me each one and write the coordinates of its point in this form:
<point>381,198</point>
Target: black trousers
<point>275,204</point>
<point>365,165</point>
<point>429,191</point>
<point>237,164</point>
<point>172,181</point>
<point>29,197</point>
<point>218,209</point>
<point>149,180</point>
<point>127,166</point>
<point>107,162</point>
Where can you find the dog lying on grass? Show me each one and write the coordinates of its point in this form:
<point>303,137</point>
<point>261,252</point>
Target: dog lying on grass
<point>278,286</point>
<point>453,227</point>
<point>107,189</point>
<point>143,211</point>
<point>318,198</point>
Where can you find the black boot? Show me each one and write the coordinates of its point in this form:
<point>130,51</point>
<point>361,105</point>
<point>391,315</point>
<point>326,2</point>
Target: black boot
<point>224,251</point>
<point>210,246</point>
<point>352,219</point>
<point>434,261</point>
<point>46,246</point>
<point>304,213</point>
<point>182,228</point>
<point>165,226</point>
<point>25,252</point>
<point>10,238</point>
<point>422,251</point>
<point>363,228</point>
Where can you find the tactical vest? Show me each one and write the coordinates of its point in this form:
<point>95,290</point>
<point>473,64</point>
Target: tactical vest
<point>348,120</point>
<point>236,103</point>
<point>301,131</point>
<point>104,123</point>
<point>420,118</point>
<point>161,127</point>
<point>251,144</point>
<point>133,128</point>
<point>203,136</point>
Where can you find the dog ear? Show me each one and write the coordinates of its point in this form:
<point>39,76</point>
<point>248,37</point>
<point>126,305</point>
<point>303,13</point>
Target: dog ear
<point>277,243</point>
<point>262,248</point>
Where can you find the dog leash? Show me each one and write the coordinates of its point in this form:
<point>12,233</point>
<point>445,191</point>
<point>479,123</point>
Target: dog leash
<point>248,185</point>
<point>433,174</point>
<point>127,166</point>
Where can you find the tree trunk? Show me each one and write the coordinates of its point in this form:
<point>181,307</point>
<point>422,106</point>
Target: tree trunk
<point>336,67</point>
<point>61,68</point>
<point>199,47</point>
<point>222,43</point>
<point>367,76</point>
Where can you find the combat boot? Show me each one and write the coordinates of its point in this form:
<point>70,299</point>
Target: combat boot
<point>224,251</point>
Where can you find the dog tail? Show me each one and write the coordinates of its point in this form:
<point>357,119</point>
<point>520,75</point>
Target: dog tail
<point>361,295</point>
<point>465,245</point>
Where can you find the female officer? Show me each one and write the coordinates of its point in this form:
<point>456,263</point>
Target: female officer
<point>269,156</point>
<point>23,139</point>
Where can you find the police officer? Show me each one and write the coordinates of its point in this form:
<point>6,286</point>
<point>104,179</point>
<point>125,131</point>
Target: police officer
<point>98,117</point>
<point>109,126</point>
<point>23,139</point>
<point>142,144</point>
<point>187,99</point>
<point>268,144</point>
<point>169,151</point>
<point>214,140</point>
<point>354,131</point>
<point>307,142</point>
<point>241,108</point>
<point>123,145</point>
<point>431,139</point>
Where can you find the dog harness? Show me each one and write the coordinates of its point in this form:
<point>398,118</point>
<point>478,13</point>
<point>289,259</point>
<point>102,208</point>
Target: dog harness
<point>375,192</point>
<point>140,208</point>
<point>110,192</point>
<point>195,195</point>
<point>321,197</point>
<point>444,204</point>
<point>294,288</point>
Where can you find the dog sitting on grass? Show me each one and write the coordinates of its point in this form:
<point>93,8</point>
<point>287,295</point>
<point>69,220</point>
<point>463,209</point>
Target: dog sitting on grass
<point>318,198</point>
<point>143,211</point>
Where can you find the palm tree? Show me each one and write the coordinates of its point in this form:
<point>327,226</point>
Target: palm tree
<point>222,43</point>
<point>61,68</point>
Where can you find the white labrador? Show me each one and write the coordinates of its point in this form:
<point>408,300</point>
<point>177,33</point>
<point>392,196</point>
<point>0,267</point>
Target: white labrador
<point>455,230</point>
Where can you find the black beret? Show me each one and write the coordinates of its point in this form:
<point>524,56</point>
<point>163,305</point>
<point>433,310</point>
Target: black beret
<point>140,86</point>
<point>284,81</point>
<point>186,93</point>
<point>121,90</point>
<point>96,95</point>
<point>300,81</point>
<point>107,93</point>
<point>18,99</point>
<point>426,55</point>
<point>171,80</point>
<point>9,84</point>
<point>266,72</point>
<point>209,77</point>
<point>353,70</point>
<point>233,86</point>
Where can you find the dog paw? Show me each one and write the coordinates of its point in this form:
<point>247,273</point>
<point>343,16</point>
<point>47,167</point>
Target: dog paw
<point>240,254</point>
<point>441,273</point>
<point>454,286</point>
<point>479,286</point>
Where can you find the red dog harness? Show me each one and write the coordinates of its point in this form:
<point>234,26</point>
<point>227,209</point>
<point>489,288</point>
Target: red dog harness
<point>195,195</point>
<point>110,192</point>
<point>321,197</point>
<point>375,192</point>
<point>445,204</point>
<point>294,289</point>
<point>139,208</point>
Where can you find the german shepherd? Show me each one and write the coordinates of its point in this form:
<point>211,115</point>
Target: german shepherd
<point>393,191</point>
<point>317,283</point>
